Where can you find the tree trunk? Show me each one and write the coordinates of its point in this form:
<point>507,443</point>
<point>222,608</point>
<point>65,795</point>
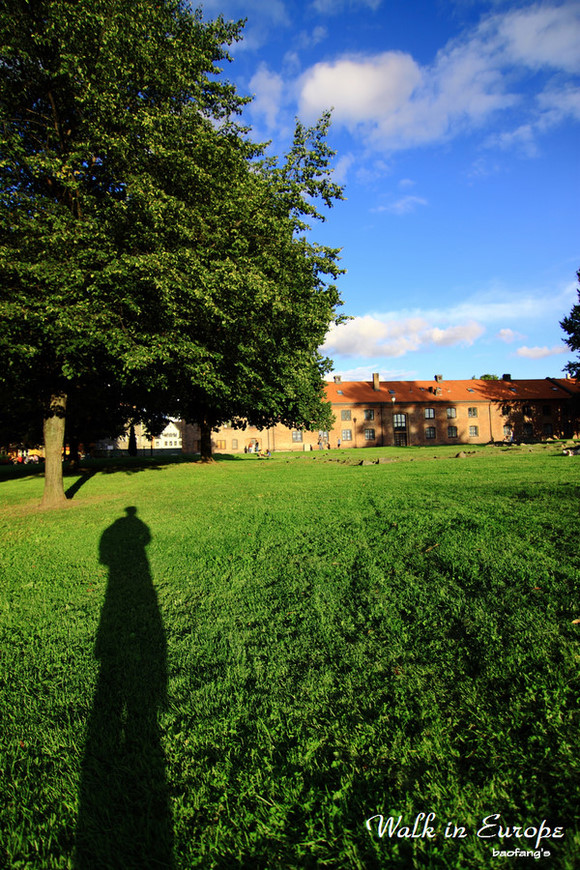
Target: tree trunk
<point>132,447</point>
<point>205,442</point>
<point>54,420</point>
<point>73,452</point>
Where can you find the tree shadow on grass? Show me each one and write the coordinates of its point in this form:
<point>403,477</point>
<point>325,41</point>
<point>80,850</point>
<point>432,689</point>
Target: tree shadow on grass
<point>85,475</point>
<point>124,815</point>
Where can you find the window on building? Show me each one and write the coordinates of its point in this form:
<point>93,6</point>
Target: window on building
<point>370,414</point>
<point>429,413</point>
<point>323,434</point>
<point>528,430</point>
<point>473,431</point>
<point>399,421</point>
<point>345,415</point>
<point>220,444</point>
<point>507,431</point>
<point>346,435</point>
<point>547,410</point>
<point>369,434</point>
<point>472,412</point>
<point>296,435</point>
<point>234,443</point>
<point>452,431</point>
<point>430,433</point>
<point>527,409</point>
<point>451,413</point>
<point>548,429</point>
<point>506,409</point>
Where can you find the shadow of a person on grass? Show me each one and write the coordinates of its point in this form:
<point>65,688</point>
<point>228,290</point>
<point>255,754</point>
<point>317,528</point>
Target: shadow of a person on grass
<point>124,816</point>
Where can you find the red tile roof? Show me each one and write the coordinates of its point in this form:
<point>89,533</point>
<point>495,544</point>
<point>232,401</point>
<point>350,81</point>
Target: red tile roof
<point>363,392</point>
<point>569,385</point>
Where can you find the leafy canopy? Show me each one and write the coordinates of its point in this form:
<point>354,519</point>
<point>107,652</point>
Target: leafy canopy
<point>148,252</point>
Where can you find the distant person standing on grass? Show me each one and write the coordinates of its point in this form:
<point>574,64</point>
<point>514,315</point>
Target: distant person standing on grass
<point>339,443</point>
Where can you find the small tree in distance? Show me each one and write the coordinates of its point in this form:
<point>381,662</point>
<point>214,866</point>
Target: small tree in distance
<point>571,326</point>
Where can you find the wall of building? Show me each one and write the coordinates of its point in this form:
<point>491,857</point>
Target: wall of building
<point>377,414</point>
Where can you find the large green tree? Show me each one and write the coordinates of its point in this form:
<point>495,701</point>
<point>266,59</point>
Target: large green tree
<point>146,251</point>
<point>571,326</point>
<point>272,301</point>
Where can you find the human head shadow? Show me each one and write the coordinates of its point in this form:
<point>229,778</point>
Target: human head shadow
<point>124,815</point>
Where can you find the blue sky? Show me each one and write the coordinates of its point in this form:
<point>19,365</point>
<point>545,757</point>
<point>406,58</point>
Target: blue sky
<point>456,125</point>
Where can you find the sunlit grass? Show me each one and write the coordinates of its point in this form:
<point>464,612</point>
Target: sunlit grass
<point>341,641</point>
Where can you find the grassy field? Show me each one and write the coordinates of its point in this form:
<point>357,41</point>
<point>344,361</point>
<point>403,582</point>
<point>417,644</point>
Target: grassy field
<point>238,665</point>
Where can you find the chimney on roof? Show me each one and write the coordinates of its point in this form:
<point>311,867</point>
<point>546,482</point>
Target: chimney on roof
<point>506,377</point>
<point>337,379</point>
<point>438,378</point>
<point>376,384</point>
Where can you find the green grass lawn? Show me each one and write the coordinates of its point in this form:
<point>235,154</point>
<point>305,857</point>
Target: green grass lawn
<point>238,665</point>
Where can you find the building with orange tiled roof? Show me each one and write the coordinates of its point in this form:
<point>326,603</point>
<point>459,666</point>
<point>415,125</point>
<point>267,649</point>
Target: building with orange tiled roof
<point>379,413</point>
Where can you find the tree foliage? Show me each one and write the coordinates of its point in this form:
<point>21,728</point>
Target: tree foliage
<point>571,326</point>
<point>148,254</point>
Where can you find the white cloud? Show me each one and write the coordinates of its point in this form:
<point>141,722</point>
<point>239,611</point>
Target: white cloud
<point>398,332</point>
<point>268,89</point>
<point>394,102</point>
<point>557,103</point>
<point>465,333</point>
<point>508,335</point>
<point>291,63</point>
<point>405,205</point>
<point>360,89</point>
<point>372,336</point>
<point>504,304</point>
<point>343,164</point>
<point>307,39</point>
<point>363,373</point>
<point>540,352</point>
<point>523,139</point>
<point>541,36</point>
<point>262,18</point>
<point>334,7</point>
